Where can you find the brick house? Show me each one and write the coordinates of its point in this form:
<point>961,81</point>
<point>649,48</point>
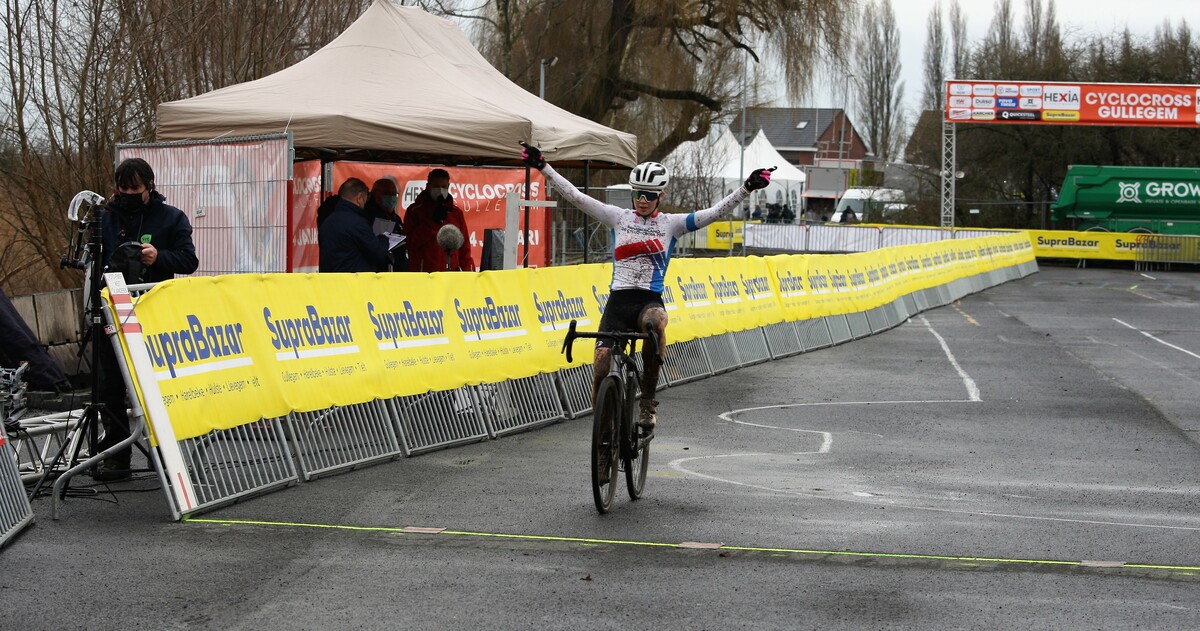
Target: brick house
<point>804,135</point>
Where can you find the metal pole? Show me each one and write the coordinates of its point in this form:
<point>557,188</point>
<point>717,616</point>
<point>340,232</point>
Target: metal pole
<point>949,175</point>
<point>587,186</point>
<point>741,167</point>
<point>525,252</point>
<point>542,80</point>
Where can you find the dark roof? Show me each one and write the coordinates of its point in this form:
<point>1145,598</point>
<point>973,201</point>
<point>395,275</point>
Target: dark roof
<point>782,125</point>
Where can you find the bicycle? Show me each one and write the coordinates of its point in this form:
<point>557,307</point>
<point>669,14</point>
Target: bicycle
<point>617,439</point>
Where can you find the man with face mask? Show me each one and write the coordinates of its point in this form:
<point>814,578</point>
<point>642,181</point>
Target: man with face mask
<point>136,214</point>
<point>382,205</point>
<point>433,209</point>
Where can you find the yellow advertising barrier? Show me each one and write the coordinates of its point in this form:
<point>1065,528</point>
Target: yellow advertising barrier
<point>230,350</point>
<point>1066,244</point>
<point>718,234</point>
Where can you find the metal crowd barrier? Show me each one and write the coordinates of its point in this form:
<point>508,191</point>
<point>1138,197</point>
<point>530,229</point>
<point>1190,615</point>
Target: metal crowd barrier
<point>1163,250</point>
<point>341,438</point>
<point>839,328</point>
<point>722,357</point>
<point>520,404</point>
<point>782,340</point>
<point>751,346</point>
<point>685,361</point>
<point>233,464</point>
<point>815,333</point>
<point>15,512</point>
<point>40,438</point>
<point>575,384</point>
<point>838,238</point>
<point>859,327</point>
<point>439,419</point>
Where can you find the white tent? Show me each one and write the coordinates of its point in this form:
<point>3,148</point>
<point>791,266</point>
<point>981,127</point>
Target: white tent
<point>720,158</point>
<point>403,81</point>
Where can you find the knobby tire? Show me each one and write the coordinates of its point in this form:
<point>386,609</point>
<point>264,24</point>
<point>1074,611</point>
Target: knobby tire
<point>606,425</point>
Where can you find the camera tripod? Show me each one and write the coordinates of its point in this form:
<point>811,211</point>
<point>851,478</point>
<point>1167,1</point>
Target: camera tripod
<point>96,414</point>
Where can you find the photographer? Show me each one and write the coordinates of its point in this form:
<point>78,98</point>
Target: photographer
<point>148,241</point>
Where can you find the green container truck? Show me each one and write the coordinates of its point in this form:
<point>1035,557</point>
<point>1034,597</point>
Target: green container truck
<point>1160,200</point>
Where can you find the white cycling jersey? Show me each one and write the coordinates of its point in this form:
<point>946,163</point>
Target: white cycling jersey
<point>642,246</point>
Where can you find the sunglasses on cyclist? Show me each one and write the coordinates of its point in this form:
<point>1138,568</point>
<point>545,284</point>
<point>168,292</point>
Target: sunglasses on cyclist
<point>644,195</point>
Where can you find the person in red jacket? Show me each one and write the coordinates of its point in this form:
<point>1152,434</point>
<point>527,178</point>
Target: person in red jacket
<point>429,215</point>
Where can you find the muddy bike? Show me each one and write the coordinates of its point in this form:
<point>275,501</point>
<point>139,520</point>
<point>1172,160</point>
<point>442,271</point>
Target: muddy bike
<point>618,442</point>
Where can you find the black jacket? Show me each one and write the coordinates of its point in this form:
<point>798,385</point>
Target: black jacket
<point>397,258</point>
<point>159,224</point>
<point>347,242</point>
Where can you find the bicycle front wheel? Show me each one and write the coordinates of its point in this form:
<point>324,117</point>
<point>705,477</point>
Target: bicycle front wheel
<point>635,450</point>
<point>606,424</point>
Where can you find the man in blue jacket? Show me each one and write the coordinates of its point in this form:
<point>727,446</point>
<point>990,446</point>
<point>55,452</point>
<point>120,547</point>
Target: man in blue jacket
<point>345,237</point>
<point>146,230</point>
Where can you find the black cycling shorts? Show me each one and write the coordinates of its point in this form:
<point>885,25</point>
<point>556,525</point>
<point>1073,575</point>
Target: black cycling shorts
<point>623,311</point>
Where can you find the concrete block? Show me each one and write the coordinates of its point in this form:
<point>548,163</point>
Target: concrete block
<point>66,356</point>
<point>58,316</point>
<point>24,306</point>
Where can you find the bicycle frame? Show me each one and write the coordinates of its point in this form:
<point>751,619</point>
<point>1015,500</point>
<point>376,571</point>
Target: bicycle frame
<point>619,387</point>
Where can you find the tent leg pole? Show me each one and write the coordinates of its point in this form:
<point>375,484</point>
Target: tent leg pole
<point>587,185</point>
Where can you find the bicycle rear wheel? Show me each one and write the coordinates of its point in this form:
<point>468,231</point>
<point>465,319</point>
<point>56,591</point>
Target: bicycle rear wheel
<point>635,460</point>
<point>606,425</point>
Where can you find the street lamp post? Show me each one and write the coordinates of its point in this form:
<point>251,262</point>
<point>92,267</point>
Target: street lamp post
<point>845,104</point>
<point>549,61</point>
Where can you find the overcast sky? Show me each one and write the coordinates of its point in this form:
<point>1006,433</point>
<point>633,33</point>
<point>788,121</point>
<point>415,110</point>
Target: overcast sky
<point>1074,16</point>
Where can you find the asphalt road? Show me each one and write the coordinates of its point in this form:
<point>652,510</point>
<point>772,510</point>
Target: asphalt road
<point>1025,458</point>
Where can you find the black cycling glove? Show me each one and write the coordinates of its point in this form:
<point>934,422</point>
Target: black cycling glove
<point>532,157</point>
<point>760,178</point>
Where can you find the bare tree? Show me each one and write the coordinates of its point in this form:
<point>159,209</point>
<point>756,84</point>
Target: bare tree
<point>877,54</point>
<point>998,53</point>
<point>935,60</point>
<point>959,46</point>
<point>82,76</point>
<point>667,71</point>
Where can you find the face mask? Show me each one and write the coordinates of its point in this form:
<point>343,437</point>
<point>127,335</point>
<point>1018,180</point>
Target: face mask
<point>439,193</point>
<point>390,202</point>
<point>130,202</point>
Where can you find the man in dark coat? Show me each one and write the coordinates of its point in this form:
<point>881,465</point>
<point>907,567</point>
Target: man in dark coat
<point>137,220</point>
<point>433,209</point>
<point>345,238</point>
<point>382,205</point>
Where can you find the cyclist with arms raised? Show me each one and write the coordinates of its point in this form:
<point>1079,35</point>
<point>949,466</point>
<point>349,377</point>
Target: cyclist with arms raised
<point>644,240</point>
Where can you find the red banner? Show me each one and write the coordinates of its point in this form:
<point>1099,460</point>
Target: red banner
<point>302,221</point>
<point>1117,104</point>
<point>479,192</point>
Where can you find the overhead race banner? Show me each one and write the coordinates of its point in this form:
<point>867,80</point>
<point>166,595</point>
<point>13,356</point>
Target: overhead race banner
<point>1059,103</point>
<point>230,350</point>
<point>478,191</point>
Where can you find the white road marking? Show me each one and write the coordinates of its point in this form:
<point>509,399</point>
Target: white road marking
<point>861,497</point>
<point>972,389</point>
<point>1163,366</point>
<point>678,466</point>
<point>1149,276</point>
<point>1138,293</point>
<point>1163,342</point>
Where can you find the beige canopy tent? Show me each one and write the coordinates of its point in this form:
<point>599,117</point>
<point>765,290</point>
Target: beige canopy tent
<point>402,82</point>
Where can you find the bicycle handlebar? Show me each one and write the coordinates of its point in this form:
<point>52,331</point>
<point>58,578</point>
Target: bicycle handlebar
<point>618,337</point>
